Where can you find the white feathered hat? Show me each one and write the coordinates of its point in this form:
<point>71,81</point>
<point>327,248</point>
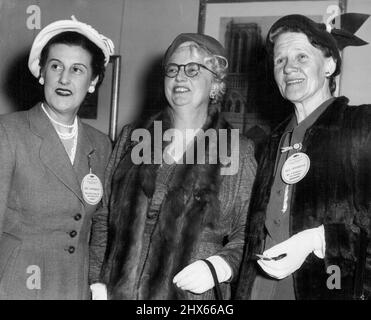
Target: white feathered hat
<point>57,27</point>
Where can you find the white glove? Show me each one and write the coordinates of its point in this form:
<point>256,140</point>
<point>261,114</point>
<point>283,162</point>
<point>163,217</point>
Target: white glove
<point>98,291</point>
<point>296,248</point>
<point>197,277</point>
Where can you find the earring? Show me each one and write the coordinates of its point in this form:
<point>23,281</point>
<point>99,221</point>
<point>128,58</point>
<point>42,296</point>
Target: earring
<point>41,81</point>
<point>213,91</point>
<point>327,73</point>
<point>212,95</point>
<point>91,89</point>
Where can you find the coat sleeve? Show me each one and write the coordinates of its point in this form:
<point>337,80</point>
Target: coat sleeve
<point>232,252</point>
<point>7,165</point>
<point>343,239</point>
<point>98,240</point>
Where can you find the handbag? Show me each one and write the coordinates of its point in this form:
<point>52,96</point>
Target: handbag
<point>218,292</point>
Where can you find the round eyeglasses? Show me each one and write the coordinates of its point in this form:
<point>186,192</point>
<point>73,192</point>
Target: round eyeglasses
<point>190,69</point>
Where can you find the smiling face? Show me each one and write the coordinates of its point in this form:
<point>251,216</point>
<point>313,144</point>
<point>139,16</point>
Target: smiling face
<point>300,69</point>
<point>188,92</point>
<point>68,76</point>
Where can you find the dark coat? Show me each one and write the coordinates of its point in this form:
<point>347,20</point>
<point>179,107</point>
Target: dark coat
<point>336,192</point>
<point>44,220</point>
<point>150,239</point>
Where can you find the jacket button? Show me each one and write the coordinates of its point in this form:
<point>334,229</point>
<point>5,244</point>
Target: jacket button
<point>71,249</point>
<point>77,217</point>
<point>73,234</point>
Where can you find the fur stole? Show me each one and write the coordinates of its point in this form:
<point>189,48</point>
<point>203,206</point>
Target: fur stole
<point>141,264</point>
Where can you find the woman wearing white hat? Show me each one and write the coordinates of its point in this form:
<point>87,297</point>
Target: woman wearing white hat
<point>51,168</point>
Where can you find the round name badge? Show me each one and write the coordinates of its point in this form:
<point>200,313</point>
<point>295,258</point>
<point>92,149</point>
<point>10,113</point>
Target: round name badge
<point>92,189</point>
<point>295,168</point>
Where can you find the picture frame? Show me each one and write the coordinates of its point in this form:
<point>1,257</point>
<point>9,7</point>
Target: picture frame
<point>211,10</point>
<point>115,95</point>
<point>100,109</point>
<point>252,102</point>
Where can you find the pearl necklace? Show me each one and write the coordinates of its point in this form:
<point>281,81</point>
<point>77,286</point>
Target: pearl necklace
<point>72,134</point>
<point>69,126</point>
<point>65,136</point>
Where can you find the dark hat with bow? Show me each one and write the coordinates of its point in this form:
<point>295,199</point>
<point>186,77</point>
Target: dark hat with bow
<point>320,34</point>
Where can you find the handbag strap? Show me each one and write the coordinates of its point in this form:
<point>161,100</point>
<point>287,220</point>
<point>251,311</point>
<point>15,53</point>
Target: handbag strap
<point>218,292</point>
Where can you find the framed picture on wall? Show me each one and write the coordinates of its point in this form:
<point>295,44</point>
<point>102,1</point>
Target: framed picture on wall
<point>100,109</point>
<point>214,14</point>
<point>253,103</point>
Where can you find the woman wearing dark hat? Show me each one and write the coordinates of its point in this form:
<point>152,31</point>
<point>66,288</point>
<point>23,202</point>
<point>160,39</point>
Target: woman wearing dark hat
<point>165,217</point>
<point>310,214</point>
<point>51,167</point>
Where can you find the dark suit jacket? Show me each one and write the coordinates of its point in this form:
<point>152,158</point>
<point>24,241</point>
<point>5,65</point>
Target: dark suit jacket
<point>335,193</point>
<point>44,221</point>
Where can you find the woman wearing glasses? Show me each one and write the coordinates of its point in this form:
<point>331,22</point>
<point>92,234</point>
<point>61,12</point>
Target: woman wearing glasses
<point>166,217</point>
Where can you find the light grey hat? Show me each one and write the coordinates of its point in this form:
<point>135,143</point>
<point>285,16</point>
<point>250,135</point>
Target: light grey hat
<point>57,27</point>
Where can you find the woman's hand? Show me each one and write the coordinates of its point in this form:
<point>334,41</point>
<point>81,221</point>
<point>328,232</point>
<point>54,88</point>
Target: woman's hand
<point>197,277</point>
<point>98,291</point>
<point>296,248</point>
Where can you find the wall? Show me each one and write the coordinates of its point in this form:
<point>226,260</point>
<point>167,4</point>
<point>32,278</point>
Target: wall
<point>148,29</point>
<point>150,25</point>
<point>16,39</point>
<point>141,31</point>
<point>355,78</point>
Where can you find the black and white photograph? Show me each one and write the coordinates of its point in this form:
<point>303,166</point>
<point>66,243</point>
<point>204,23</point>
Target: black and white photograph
<point>189,155</point>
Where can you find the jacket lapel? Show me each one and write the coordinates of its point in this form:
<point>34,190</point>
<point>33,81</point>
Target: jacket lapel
<point>52,152</point>
<point>83,149</point>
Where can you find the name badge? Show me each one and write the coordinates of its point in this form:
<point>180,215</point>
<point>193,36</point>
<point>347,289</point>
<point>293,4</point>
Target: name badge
<point>92,189</point>
<point>295,168</point>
